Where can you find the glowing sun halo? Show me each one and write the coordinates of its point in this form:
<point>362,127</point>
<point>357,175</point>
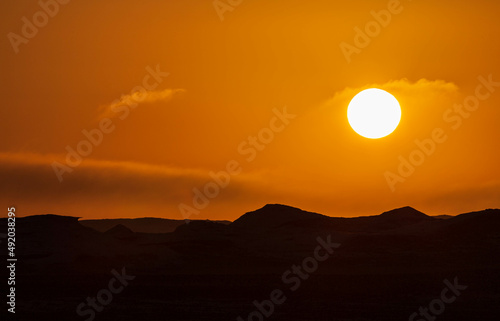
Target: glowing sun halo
<point>374,113</point>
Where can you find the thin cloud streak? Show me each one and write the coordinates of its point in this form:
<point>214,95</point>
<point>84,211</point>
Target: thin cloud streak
<point>440,86</point>
<point>134,99</point>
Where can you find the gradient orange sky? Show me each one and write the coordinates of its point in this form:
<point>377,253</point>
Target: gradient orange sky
<point>227,80</point>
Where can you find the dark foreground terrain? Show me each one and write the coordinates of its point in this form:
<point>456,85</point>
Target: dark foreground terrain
<point>276,263</point>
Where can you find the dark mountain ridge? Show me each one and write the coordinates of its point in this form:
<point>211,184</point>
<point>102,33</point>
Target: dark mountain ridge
<point>386,266</point>
<point>139,225</point>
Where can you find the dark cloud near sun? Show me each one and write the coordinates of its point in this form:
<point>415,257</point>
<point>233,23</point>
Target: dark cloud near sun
<point>31,178</point>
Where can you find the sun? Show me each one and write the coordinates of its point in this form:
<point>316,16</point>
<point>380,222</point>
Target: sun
<point>374,113</point>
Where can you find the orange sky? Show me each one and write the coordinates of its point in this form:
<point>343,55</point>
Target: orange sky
<point>227,80</point>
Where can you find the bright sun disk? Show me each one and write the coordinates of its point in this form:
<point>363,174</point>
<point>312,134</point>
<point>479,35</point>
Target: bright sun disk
<point>374,113</point>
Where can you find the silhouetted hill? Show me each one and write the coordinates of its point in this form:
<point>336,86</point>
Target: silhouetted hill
<point>404,213</point>
<point>139,225</point>
<point>393,219</point>
<point>273,215</point>
<point>481,224</point>
<point>121,232</point>
<point>443,217</point>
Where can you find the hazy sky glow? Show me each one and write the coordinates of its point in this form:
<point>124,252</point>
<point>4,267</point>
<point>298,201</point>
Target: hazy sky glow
<point>172,96</point>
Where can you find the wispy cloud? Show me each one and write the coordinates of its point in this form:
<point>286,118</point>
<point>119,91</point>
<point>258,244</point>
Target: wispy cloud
<point>123,105</point>
<point>401,85</point>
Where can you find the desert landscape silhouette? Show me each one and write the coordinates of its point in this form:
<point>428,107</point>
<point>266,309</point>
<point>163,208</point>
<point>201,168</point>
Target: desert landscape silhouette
<point>380,267</point>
